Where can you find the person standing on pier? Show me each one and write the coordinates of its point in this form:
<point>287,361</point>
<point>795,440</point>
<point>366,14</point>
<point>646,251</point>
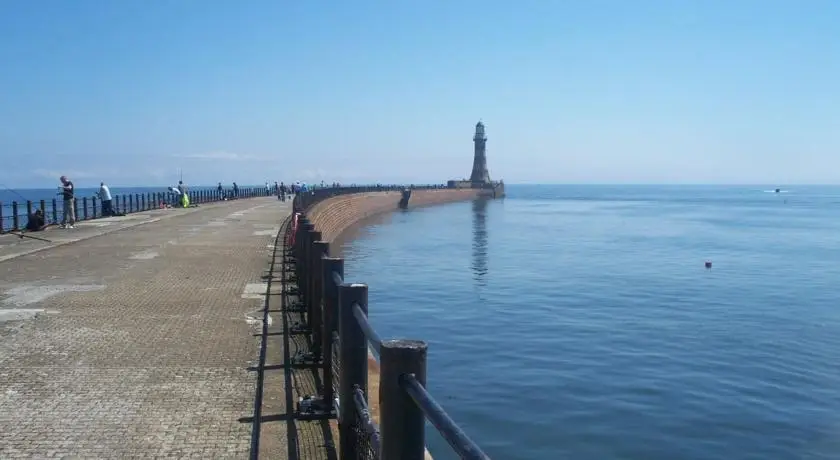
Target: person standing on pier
<point>183,199</point>
<point>68,193</point>
<point>105,196</point>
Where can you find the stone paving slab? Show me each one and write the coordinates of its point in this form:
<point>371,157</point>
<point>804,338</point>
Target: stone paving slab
<point>137,343</point>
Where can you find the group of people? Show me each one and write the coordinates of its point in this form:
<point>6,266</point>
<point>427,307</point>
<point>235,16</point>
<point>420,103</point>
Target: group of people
<point>36,221</point>
<point>67,190</point>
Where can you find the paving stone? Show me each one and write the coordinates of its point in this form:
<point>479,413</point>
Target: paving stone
<point>140,343</point>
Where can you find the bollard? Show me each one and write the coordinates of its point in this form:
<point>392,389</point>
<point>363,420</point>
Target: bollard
<point>353,358</point>
<point>55,212</point>
<point>321,249</point>
<point>402,423</point>
<point>330,265</point>
<point>15,217</point>
<point>84,205</point>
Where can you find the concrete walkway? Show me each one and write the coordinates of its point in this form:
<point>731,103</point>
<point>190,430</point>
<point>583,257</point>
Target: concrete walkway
<point>135,343</point>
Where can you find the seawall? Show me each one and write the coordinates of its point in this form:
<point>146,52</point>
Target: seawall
<point>335,215</point>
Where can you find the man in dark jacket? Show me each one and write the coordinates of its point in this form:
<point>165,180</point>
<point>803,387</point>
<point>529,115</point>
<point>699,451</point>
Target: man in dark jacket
<point>36,222</point>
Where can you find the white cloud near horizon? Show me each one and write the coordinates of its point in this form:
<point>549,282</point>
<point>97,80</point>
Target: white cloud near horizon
<point>222,155</point>
<point>55,174</point>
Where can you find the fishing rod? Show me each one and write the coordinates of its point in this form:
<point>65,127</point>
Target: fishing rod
<point>24,235</point>
<point>15,192</point>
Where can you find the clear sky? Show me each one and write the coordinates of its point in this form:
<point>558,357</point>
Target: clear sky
<point>705,91</point>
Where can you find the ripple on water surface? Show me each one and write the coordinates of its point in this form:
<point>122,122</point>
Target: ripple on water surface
<point>579,322</point>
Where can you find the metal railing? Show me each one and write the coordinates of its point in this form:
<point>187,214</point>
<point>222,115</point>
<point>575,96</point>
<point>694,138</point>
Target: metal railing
<point>306,200</point>
<point>337,318</point>
<point>14,215</point>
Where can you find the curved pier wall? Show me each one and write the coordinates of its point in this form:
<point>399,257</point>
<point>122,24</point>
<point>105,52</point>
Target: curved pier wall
<point>334,215</point>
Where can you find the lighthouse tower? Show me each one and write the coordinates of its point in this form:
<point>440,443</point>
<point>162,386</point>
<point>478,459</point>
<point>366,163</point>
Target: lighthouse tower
<point>480,174</point>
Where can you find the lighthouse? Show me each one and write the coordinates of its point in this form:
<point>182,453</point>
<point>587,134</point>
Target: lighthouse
<point>480,174</point>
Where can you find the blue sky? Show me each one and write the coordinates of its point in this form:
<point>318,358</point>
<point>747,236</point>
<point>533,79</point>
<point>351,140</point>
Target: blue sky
<point>589,91</point>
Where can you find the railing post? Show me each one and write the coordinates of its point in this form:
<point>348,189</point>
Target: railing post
<point>354,370</point>
<point>93,207</point>
<point>84,205</point>
<point>43,206</point>
<point>329,266</point>
<point>402,423</point>
<point>117,203</point>
<point>312,271</point>
<point>2,226</point>
<point>15,217</point>
<point>28,209</point>
<point>303,232</point>
<point>54,212</point>
<point>321,249</point>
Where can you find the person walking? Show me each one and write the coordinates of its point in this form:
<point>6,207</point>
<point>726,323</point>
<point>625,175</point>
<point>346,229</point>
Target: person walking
<point>105,196</point>
<point>68,193</point>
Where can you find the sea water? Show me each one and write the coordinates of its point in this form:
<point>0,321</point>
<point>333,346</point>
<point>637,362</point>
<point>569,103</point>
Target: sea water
<point>581,322</point>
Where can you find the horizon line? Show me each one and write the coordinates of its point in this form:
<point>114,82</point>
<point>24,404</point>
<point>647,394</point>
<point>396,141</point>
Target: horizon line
<point>514,184</point>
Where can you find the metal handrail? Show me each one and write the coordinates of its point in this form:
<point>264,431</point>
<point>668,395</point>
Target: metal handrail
<point>371,335</point>
<point>454,435</point>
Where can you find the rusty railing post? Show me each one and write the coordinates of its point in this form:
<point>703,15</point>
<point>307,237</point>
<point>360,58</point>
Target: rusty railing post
<point>353,356</point>
<point>330,265</point>
<point>402,423</point>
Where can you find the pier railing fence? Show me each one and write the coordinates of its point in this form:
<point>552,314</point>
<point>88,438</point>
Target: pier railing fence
<point>336,320</point>
<point>15,214</point>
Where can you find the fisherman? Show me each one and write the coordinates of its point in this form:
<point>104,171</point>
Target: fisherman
<point>176,196</point>
<point>182,194</point>
<point>105,195</point>
<point>68,193</point>
<point>235,190</point>
<point>283,190</point>
<point>36,221</point>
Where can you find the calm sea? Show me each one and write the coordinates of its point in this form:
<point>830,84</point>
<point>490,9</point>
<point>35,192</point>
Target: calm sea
<point>580,322</point>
